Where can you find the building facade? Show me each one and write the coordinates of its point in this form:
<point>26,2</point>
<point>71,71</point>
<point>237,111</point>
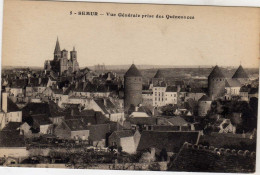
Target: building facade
<point>61,64</point>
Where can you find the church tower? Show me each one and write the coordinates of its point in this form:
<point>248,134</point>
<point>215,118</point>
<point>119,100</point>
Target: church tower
<point>73,54</point>
<point>57,52</point>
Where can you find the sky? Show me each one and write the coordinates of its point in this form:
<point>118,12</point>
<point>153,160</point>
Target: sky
<point>226,36</point>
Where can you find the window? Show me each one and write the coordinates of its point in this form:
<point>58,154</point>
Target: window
<point>174,95</point>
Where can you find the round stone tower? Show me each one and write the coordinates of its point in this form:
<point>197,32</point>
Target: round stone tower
<point>132,87</point>
<point>216,83</point>
<point>241,75</point>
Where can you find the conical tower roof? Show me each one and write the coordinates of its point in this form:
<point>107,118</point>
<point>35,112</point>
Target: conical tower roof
<point>159,74</point>
<point>57,47</point>
<point>240,73</point>
<point>216,73</point>
<point>133,72</point>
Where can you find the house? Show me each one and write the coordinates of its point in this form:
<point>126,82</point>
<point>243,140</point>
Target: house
<point>232,88</point>
<point>16,89</point>
<point>253,93</point>
<point>159,94</point>
<point>243,93</point>
<point>195,93</point>
<point>181,122</point>
<point>147,97</point>
<point>171,95</point>
<point>171,141</point>
<point>109,109</point>
<point>72,129</point>
<point>98,134</point>
<point>42,124</point>
<point>223,125</point>
<point>10,112</point>
<point>25,129</point>
<point>127,139</point>
<point>12,144</point>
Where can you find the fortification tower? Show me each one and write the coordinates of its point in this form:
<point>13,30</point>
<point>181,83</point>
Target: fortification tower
<point>158,77</point>
<point>216,83</point>
<point>241,75</point>
<point>132,87</point>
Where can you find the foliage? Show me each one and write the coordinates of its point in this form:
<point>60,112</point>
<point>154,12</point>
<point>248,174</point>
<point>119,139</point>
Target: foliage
<point>168,110</point>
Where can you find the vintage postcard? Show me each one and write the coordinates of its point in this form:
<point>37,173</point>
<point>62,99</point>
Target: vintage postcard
<point>129,86</point>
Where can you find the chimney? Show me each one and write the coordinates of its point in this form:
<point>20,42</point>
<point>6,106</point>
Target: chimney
<point>105,102</point>
<point>136,108</point>
<point>4,101</point>
<point>153,152</point>
<point>40,80</point>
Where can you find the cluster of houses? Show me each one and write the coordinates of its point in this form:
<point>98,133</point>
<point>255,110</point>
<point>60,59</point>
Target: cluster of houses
<point>106,110</point>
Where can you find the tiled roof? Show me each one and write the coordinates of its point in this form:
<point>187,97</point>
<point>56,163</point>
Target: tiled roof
<point>240,73</point>
<point>171,89</point>
<point>12,126</point>
<point>11,139</point>
<point>171,141</point>
<point>41,119</point>
<point>142,120</point>
<point>159,74</point>
<point>216,73</point>
<point>75,124</point>
<point>232,83</point>
<point>11,106</point>
<point>98,132</point>
<point>244,89</point>
<point>124,133</point>
<point>133,72</point>
<point>205,98</point>
<point>202,160</point>
<point>253,91</point>
<point>177,121</point>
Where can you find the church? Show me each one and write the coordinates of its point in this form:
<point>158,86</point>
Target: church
<point>60,63</point>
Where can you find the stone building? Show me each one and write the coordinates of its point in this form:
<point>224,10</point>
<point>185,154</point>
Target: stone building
<point>61,64</point>
<point>241,75</point>
<point>216,83</point>
<point>204,105</point>
<point>132,87</point>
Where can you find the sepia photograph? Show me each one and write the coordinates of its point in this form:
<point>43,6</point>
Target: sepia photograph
<point>113,86</point>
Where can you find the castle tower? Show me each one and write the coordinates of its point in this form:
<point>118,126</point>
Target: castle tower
<point>158,77</point>
<point>241,75</point>
<point>216,83</point>
<point>57,52</point>
<point>133,87</point>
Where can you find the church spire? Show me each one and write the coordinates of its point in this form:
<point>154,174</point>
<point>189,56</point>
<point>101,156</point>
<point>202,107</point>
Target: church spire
<point>57,47</point>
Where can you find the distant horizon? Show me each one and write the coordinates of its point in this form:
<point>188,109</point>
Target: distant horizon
<point>146,65</point>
